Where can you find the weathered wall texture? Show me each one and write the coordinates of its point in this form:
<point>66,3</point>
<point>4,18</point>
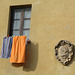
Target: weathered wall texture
<point>51,21</point>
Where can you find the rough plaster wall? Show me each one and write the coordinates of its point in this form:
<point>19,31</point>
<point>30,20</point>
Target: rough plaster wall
<point>51,21</point>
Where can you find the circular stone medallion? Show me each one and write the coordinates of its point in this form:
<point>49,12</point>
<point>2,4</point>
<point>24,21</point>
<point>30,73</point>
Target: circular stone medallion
<point>64,52</point>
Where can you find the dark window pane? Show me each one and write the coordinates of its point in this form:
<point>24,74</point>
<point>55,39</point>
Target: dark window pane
<point>26,23</point>
<point>16,24</point>
<point>15,33</point>
<point>26,32</point>
<point>27,13</point>
<point>17,13</point>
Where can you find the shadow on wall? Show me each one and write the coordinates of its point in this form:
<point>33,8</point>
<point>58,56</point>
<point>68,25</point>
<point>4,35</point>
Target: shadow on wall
<point>31,58</point>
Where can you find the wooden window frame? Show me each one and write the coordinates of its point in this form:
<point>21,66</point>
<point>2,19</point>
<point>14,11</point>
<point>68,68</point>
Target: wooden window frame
<point>12,8</point>
<point>9,33</point>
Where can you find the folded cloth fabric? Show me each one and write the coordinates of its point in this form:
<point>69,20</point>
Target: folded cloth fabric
<point>18,49</point>
<point>6,47</point>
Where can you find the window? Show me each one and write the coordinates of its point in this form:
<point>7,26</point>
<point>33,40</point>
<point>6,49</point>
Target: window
<point>20,20</point>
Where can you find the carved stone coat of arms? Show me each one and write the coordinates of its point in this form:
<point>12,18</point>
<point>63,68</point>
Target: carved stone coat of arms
<point>64,52</point>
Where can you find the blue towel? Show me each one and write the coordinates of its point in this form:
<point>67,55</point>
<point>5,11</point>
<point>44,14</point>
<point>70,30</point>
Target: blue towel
<point>6,47</point>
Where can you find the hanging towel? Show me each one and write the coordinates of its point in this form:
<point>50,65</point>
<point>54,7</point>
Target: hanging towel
<point>18,49</point>
<point>6,47</point>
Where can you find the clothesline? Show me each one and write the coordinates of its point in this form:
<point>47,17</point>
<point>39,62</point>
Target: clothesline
<point>19,35</point>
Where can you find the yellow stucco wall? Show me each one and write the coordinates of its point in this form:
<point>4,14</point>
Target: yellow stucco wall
<point>51,21</point>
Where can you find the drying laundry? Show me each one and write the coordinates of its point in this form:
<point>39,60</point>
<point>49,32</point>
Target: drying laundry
<point>18,49</point>
<point>6,47</point>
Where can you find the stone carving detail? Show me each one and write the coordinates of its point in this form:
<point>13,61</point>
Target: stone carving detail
<point>64,52</point>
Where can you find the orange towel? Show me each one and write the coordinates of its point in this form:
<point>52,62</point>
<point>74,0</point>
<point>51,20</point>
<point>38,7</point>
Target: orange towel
<point>18,49</point>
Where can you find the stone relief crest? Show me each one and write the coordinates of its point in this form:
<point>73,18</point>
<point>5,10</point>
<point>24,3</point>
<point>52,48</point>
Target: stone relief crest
<point>64,52</point>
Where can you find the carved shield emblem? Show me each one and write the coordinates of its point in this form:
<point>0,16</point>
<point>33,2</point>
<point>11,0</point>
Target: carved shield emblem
<point>64,52</point>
